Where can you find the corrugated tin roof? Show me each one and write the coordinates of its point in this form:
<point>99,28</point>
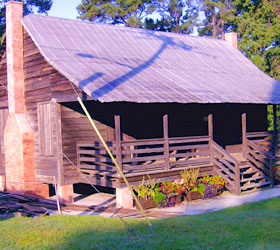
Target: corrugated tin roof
<point>113,63</point>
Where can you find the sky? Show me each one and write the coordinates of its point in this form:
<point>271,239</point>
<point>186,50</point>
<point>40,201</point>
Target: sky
<point>64,8</point>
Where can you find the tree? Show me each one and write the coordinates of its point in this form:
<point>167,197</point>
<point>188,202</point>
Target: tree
<point>218,17</point>
<point>29,6</point>
<point>127,12</point>
<point>176,16</point>
<point>258,27</point>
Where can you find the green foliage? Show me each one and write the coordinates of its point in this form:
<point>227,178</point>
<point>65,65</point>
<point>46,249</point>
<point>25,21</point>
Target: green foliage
<point>127,12</point>
<point>258,27</point>
<point>175,16</point>
<point>208,186</point>
<point>219,14</point>
<point>190,178</point>
<point>146,188</point>
<point>29,6</point>
<point>251,226</point>
<point>159,198</point>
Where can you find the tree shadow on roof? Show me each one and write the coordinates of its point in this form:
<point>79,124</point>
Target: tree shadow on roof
<point>110,86</point>
<point>275,93</point>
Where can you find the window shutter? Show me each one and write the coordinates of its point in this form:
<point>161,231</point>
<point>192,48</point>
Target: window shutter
<point>45,129</point>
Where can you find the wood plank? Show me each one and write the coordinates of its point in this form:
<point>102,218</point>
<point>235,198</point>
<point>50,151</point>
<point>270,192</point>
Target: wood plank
<point>118,142</point>
<point>190,154</point>
<point>189,147</point>
<point>223,168</point>
<point>143,151</point>
<point>166,142</point>
<point>146,158</point>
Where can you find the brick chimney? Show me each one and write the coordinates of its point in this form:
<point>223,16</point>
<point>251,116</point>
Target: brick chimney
<point>18,135</point>
<point>231,38</point>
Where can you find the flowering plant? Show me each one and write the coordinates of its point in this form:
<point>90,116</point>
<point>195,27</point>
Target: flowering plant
<point>208,186</point>
<point>146,188</point>
<point>277,170</point>
<point>217,181</point>
<point>171,189</point>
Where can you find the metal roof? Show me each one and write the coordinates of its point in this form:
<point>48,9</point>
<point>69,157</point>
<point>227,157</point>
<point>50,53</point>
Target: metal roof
<point>114,63</point>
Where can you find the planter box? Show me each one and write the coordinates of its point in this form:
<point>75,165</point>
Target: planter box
<point>174,200</point>
<point>276,179</point>
<point>193,196</point>
<point>146,203</point>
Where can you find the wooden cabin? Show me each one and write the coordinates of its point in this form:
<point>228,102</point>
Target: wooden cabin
<point>162,101</point>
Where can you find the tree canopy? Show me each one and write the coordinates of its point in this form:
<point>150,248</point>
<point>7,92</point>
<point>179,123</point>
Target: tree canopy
<point>175,16</point>
<point>257,22</point>
<point>29,6</point>
<point>127,12</point>
<point>258,27</point>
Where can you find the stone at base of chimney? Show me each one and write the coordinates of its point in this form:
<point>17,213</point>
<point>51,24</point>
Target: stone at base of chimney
<point>2,183</point>
<point>19,157</point>
<point>38,189</point>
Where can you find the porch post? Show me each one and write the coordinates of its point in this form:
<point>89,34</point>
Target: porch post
<point>275,132</point>
<point>244,135</point>
<point>275,140</point>
<point>210,133</point>
<point>166,142</point>
<point>118,142</point>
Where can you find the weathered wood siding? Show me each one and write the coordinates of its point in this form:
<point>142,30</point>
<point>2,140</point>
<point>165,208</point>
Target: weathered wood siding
<point>3,110</point>
<point>76,127</point>
<point>42,83</point>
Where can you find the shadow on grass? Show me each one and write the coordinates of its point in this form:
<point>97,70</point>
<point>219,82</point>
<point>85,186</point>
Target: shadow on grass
<point>252,226</point>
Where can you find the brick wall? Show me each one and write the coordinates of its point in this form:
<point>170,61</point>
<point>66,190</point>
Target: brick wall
<point>18,135</point>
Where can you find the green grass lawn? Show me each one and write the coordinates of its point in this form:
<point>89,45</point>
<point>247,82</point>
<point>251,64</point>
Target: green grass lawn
<point>253,226</point>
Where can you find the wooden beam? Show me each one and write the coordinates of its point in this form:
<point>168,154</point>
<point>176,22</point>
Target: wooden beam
<point>166,142</point>
<point>244,135</point>
<point>118,141</point>
<point>237,178</point>
<point>58,143</point>
<point>275,138</point>
<point>210,133</point>
<point>275,118</point>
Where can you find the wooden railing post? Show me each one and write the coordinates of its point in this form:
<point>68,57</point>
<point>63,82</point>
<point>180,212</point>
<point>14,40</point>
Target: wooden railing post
<point>237,178</point>
<point>244,136</point>
<point>166,142</point>
<point>118,142</point>
<point>275,144</point>
<point>210,133</point>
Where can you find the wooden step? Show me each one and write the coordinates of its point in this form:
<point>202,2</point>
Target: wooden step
<point>253,178</point>
<point>244,166</point>
<point>226,177</point>
<point>256,185</point>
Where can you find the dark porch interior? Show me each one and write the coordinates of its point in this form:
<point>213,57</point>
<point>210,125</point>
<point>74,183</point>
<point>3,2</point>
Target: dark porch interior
<point>143,121</point>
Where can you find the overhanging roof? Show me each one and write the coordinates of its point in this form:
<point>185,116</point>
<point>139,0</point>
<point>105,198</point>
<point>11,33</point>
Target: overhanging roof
<point>113,63</point>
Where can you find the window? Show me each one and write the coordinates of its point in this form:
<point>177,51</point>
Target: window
<point>45,129</point>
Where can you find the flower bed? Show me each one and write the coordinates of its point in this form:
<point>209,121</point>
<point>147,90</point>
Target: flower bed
<point>277,174</point>
<point>190,187</point>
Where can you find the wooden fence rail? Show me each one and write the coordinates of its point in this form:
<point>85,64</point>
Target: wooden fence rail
<point>146,154</point>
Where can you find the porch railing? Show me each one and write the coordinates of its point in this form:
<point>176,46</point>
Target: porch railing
<point>145,155</point>
<point>227,167</point>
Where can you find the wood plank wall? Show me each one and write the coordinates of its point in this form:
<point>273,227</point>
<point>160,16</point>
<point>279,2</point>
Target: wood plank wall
<point>76,127</point>
<point>3,107</point>
<point>39,81</point>
<point>44,84</point>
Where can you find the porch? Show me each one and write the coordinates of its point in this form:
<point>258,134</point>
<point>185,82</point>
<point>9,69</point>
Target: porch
<point>246,167</point>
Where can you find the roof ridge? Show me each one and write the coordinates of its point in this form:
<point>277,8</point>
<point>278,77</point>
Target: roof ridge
<point>172,34</point>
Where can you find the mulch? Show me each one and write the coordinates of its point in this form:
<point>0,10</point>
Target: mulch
<point>26,205</point>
